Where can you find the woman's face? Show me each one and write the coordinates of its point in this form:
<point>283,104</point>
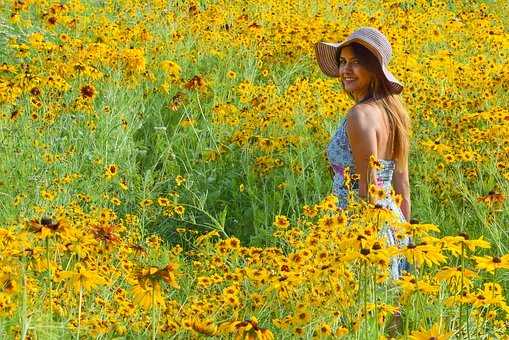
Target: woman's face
<point>354,76</point>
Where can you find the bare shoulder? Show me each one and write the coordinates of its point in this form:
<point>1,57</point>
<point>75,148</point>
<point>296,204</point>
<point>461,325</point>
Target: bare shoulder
<point>362,115</point>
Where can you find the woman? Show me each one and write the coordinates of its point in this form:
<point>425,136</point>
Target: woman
<point>377,125</point>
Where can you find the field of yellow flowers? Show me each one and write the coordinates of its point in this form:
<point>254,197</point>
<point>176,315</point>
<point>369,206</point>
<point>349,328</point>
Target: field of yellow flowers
<point>163,172</point>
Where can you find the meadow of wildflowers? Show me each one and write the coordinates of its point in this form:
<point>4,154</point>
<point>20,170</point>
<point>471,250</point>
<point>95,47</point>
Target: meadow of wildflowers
<point>163,172</point>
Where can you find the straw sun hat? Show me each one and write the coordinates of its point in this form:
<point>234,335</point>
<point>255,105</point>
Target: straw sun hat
<point>327,54</point>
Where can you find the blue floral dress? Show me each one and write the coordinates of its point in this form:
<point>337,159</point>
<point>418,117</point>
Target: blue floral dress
<point>340,157</point>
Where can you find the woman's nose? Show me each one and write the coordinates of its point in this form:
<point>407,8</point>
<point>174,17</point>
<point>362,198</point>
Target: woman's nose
<point>346,68</point>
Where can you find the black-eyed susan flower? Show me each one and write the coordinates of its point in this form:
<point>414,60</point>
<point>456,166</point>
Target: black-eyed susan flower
<point>491,315</point>
<point>310,211</point>
<point>205,327</point>
<point>380,194</point>
<point>146,294</point>
<point>88,91</point>
<point>372,190</point>
<point>374,163</point>
<point>82,278</point>
<point>491,263</point>
<point>123,184</point>
<point>147,202</point>
<point>115,201</point>
<point>302,317</point>
<point>323,330</point>
<point>434,333</point>
<point>163,201</point>
<point>455,275</point>
<point>179,210</point>
<point>111,171</point>
<point>48,195</point>
<point>424,253</point>
<point>179,180</point>
<point>281,221</point>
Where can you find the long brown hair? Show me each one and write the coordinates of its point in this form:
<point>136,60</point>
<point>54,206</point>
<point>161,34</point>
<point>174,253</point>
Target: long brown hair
<point>399,120</point>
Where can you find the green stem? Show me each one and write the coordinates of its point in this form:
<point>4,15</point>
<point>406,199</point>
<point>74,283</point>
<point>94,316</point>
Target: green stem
<point>24,302</point>
<point>153,311</point>
<point>365,293</point>
<point>50,281</point>
<point>79,312</point>
<point>375,300</point>
<point>461,284</point>
<point>467,321</point>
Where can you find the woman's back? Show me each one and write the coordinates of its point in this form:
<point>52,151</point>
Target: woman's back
<point>340,155</point>
<point>379,121</point>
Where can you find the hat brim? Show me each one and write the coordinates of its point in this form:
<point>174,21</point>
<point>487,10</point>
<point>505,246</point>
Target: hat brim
<point>394,84</point>
<point>327,53</point>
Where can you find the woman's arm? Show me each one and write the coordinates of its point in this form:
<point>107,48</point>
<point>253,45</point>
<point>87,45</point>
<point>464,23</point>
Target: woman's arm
<point>362,137</point>
<point>401,185</point>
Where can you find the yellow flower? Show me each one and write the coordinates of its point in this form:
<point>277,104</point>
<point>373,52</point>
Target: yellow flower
<point>163,202</point>
<point>134,59</point>
<point>231,74</point>
<point>433,333</point>
<point>398,199</point>
<point>152,275</point>
<point>301,317</point>
<point>282,186</point>
<point>380,194</point>
<point>323,330</point>
<point>310,211</point>
<point>372,190</point>
<point>374,163</point>
<point>490,263</point>
<point>123,184</point>
<point>7,307</point>
<point>145,295</point>
<point>206,327</point>
<point>147,202</point>
<point>171,68</point>
<point>416,229</point>
<point>47,195</point>
<point>115,201</point>
<point>180,180</point>
<point>281,221</point>
<point>330,203</point>
<point>423,253</point>
<point>410,284</point>
<point>449,158</point>
<point>180,210</point>
<point>454,275</point>
<point>111,171</point>
<point>83,278</point>
<point>341,331</point>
